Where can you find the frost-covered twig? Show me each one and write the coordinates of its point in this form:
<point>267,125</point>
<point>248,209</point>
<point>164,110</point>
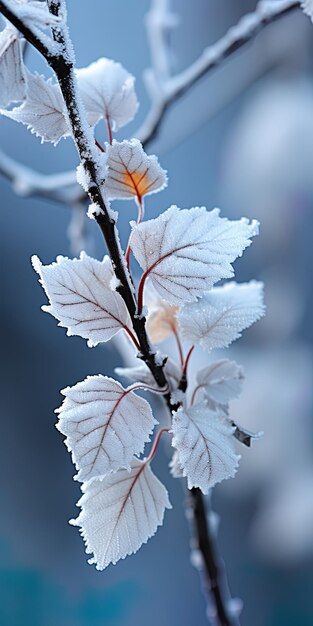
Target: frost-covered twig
<point>62,188</point>
<point>177,276</point>
<point>159,22</point>
<point>29,28</point>
<point>173,88</point>
<point>221,610</point>
<point>63,65</point>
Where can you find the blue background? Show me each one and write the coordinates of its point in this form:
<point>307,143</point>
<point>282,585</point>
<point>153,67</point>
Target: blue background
<point>44,577</point>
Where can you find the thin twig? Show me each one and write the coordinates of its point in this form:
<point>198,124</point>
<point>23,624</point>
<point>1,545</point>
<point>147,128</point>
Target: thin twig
<point>61,188</point>
<point>159,22</point>
<point>32,35</point>
<point>52,185</point>
<point>61,61</point>
<point>237,37</point>
<point>213,567</point>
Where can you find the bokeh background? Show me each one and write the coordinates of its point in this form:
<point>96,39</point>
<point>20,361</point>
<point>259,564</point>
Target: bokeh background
<point>242,139</point>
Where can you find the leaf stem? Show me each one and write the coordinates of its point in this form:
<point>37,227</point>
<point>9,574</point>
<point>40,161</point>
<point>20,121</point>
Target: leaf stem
<point>109,129</point>
<point>99,146</point>
<point>149,388</point>
<point>156,443</point>
<point>194,393</point>
<point>140,204</point>
<point>179,346</point>
<point>187,360</point>
<point>141,289</point>
<point>132,337</point>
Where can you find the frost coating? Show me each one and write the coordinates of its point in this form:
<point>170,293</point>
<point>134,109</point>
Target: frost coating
<point>43,111</point>
<point>219,383</point>
<point>83,177</point>
<point>107,91</point>
<point>104,424</point>
<point>34,12</point>
<point>12,74</point>
<point>142,374</point>
<point>120,513</point>
<point>94,210</point>
<point>81,297</point>
<point>222,314</point>
<point>205,445</point>
<point>186,251</point>
<point>131,172</point>
<point>307,6</point>
<point>175,466</point>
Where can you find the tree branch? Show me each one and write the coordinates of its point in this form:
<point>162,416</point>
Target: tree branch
<point>171,90</point>
<point>61,60</point>
<point>52,186</point>
<point>159,22</point>
<point>32,35</point>
<point>213,568</point>
<point>62,188</point>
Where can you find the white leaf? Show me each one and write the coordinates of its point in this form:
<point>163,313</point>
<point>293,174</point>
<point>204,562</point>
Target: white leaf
<point>104,424</point>
<point>185,251</point>
<point>12,76</point>
<point>222,314</point>
<point>131,172</point>
<point>43,111</point>
<point>205,445</point>
<point>81,297</point>
<point>220,382</point>
<point>108,91</point>
<point>142,374</point>
<point>120,513</point>
<point>175,466</point>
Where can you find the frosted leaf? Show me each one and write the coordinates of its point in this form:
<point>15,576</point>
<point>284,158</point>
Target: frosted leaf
<point>175,466</point>
<point>162,316</point>
<point>205,446</point>
<point>120,513</point>
<point>222,314</point>
<point>12,76</point>
<point>81,297</point>
<point>307,6</point>
<point>108,91</point>
<point>142,374</point>
<point>36,13</point>
<point>104,424</point>
<point>245,436</point>
<point>220,382</point>
<point>131,172</point>
<point>43,111</point>
<point>186,251</point>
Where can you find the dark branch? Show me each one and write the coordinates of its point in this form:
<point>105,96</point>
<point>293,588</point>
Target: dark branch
<point>28,33</point>
<point>215,578</point>
<point>64,69</point>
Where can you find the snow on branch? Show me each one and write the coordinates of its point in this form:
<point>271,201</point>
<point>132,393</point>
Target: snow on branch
<point>62,187</point>
<point>29,18</point>
<point>27,182</point>
<point>173,88</point>
<point>159,23</point>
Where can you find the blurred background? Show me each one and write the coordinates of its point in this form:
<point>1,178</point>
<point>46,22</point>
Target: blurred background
<point>241,139</point>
